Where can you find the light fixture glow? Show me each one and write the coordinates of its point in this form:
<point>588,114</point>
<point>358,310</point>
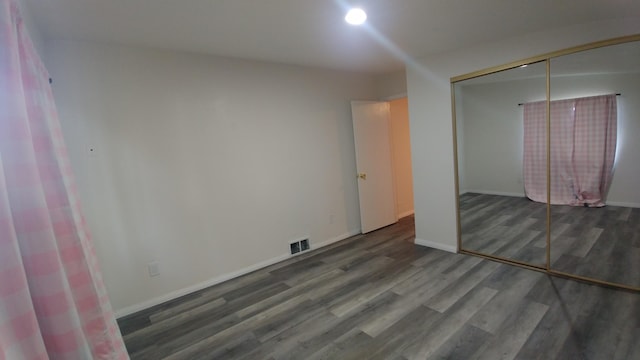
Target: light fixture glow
<point>356,16</point>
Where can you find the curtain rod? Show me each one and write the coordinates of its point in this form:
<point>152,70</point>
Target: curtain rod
<point>520,104</point>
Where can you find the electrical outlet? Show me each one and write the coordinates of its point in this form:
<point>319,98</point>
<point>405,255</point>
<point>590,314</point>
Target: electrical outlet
<point>154,268</point>
<point>304,244</point>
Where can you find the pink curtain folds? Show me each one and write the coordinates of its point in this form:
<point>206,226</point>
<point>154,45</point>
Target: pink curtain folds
<point>535,151</point>
<point>583,145</point>
<point>53,303</point>
<point>594,149</point>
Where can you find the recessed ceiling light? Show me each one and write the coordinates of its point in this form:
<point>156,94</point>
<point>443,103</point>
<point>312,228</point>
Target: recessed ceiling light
<point>356,16</point>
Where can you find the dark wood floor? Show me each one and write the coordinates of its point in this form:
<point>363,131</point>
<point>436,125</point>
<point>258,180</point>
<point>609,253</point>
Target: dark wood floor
<point>600,243</point>
<point>506,226</point>
<point>379,296</point>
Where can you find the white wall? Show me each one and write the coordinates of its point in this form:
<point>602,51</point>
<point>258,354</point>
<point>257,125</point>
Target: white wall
<point>209,166</point>
<point>430,115</point>
<point>391,86</point>
<point>493,133</point>
<point>459,143</point>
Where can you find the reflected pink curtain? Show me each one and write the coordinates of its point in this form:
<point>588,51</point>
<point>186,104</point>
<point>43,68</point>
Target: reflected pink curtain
<point>535,151</point>
<point>583,145</point>
<point>594,148</point>
<point>53,303</point>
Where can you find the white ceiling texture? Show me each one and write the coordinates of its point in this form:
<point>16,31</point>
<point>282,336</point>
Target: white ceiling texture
<point>313,32</point>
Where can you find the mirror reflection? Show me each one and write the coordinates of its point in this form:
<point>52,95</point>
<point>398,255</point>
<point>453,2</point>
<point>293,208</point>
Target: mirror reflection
<point>595,167</point>
<point>496,216</point>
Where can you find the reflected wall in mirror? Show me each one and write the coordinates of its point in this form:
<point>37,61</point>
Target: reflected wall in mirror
<point>595,152</point>
<point>496,218</point>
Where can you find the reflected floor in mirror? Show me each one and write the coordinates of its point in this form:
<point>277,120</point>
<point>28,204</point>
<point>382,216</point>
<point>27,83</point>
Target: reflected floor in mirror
<point>599,243</point>
<point>505,226</point>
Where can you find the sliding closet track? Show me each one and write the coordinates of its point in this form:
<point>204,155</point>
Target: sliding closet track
<point>555,273</point>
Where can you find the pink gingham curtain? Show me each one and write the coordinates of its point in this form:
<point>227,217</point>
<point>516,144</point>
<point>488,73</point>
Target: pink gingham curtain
<point>583,146</point>
<point>53,303</point>
<point>535,151</point>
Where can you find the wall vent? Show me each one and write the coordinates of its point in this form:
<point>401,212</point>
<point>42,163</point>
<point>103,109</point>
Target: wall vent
<point>299,246</point>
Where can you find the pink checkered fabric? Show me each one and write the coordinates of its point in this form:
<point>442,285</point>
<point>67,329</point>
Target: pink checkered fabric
<point>53,303</point>
<point>594,148</point>
<point>535,151</point>
<point>583,146</point>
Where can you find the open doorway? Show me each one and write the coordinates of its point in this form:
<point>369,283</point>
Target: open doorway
<point>401,156</point>
<point>383,162</point>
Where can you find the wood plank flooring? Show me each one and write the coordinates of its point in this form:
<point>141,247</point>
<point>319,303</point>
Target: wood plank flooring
<point>506,226</point>
<point>379,296</point>
<point>600,243</point>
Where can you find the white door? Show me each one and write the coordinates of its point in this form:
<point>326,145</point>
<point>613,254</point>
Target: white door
<point>373,161</point>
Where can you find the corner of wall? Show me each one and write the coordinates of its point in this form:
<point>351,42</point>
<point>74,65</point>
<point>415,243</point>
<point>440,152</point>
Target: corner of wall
<point>437,245</point>
<point>392,85</point>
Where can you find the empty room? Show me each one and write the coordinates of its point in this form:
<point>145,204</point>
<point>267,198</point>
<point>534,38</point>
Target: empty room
<point>308,179</point>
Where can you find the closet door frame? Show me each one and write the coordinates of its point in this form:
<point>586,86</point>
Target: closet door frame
<point>546,58</point>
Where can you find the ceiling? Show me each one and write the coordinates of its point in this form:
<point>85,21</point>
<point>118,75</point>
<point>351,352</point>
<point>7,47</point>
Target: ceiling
<point>313,32</point>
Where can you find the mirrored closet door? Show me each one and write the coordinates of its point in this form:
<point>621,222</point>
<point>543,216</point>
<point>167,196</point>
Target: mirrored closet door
<point>496,217</point>
<point>547,154</point>
<point>595,164</point>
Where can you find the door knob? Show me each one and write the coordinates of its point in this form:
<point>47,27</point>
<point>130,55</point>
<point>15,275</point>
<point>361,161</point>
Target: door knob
<point>362,176</point>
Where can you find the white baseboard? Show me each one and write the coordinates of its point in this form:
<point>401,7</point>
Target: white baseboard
<point>217,280</point>
<point>405,214</point>
<point>436,245</point>
<point>203,285</point>
<point>491,192</point>
<point>623,204</point>
<point>336,239</point>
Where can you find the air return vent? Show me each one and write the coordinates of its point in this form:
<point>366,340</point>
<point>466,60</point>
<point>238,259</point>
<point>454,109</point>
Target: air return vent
<point>299,246</point>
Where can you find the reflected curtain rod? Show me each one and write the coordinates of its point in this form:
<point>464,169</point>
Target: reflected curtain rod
<point>520,104</point>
